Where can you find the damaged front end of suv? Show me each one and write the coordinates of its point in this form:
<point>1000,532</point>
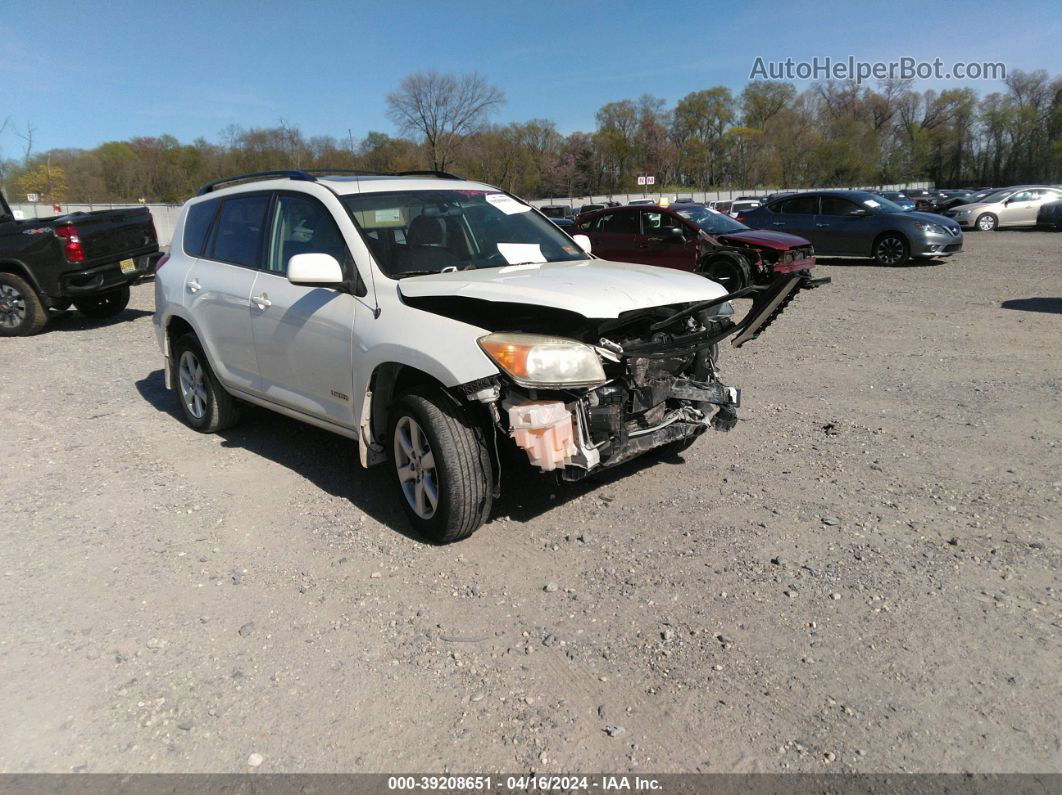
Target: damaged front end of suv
<point>602,392</point>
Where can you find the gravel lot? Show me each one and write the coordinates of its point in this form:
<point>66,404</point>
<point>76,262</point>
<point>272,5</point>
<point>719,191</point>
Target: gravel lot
<point>863,575</point>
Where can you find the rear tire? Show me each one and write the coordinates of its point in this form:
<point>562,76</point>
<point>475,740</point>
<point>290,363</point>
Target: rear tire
<point>205,405</point>
<point>731,271</point>
<point>104,305</point>
<point>21,311</point>
<point>986,222</point>
<point>442,470</point>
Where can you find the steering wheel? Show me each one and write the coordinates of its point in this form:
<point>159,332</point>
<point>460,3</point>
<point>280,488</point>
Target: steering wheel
<point>494,259</point>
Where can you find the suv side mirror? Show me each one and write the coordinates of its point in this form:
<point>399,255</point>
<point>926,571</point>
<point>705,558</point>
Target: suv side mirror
<point>583,242</point>
<point>315,270</point>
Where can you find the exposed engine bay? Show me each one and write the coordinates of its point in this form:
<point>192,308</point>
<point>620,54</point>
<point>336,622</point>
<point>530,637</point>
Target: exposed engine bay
<point>661,377</point>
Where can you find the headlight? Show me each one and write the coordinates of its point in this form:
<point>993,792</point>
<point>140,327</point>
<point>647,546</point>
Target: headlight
<point>962,212</point>
<point>538,361</point>
<point>933,229</point>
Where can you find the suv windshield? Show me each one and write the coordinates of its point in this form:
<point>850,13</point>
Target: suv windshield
<point>712,222</point>
<point>429,231</point>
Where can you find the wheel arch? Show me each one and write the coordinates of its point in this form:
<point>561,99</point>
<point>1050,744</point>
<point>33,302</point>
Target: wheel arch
<point>174,327</point>
<point>16,268</point>
<point>389,380</point>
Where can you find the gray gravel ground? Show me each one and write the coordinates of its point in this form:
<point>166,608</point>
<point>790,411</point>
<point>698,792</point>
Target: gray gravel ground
<point>864,575</point>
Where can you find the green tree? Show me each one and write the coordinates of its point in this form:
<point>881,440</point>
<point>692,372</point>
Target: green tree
<point>47,181</point>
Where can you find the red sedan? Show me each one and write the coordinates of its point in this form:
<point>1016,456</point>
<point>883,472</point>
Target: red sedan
<point>693,237</point>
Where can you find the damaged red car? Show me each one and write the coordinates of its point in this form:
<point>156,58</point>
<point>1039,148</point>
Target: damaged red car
<point>693,237</point>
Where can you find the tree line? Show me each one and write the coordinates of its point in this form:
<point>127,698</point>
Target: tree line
<point>766,136</point>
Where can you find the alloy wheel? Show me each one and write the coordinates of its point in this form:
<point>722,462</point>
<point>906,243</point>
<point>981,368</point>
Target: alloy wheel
<point>986,223</point>
<point>415,464</point>
<point>890,251</point>
<point>12,307</point>
<point>193,391</point>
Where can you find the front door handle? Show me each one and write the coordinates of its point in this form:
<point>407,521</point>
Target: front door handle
<point>194,286</point>
<point>777,223</point>
<point>821,225</point>
<point>262,301</point>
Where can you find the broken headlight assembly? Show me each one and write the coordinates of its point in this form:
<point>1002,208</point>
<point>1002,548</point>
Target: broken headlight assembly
<point>541,362</point>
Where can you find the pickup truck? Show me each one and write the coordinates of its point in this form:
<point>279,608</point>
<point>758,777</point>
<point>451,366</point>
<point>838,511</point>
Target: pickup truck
<point>88,260</point>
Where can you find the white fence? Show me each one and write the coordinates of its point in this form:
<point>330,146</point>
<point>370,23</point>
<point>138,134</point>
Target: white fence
<point>165,215</point>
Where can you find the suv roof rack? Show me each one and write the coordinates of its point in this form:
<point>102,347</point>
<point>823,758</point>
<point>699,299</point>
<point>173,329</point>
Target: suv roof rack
<point>312,174</point>
<point>356,172</point>
<point>290,173</point>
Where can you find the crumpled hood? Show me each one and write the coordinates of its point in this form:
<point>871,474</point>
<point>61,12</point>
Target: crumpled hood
<point>767,238</point>
<point>593,288</point>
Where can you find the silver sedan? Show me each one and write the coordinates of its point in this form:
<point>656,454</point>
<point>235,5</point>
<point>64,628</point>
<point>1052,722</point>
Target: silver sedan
<point>1015,206</point>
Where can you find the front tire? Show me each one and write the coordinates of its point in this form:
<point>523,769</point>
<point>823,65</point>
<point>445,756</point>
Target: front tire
<point>730,271</point>
<point>986,223</point>
<point>21,311</point>
<point>205,404</point>
<point>891,250</point>
<point>104,305</point>
<point>441,467</point>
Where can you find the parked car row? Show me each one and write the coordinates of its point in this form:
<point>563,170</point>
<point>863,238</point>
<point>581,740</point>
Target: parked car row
<point>436,319</point>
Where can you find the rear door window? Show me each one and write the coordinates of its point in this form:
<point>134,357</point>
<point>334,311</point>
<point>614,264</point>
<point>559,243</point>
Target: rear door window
<point>238,230</point>
<point>622,223</point>
<point>835,205</point>
<point>801,205</point>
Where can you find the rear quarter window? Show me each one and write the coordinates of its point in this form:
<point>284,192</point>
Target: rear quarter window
<point>197,227</point>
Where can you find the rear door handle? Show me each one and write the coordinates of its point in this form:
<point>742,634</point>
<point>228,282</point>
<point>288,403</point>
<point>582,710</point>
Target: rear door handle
<point>194,286</point>
<point>777,223</point>
<point>262,301</point>
<point>821,225</point>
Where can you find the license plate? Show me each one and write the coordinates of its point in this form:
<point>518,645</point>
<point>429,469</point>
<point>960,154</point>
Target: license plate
<point>127,266</point>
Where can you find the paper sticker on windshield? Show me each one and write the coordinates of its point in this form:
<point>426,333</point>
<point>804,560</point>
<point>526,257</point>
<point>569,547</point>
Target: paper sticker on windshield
<point>520,253</point>
<point>871,203</point>
<point>507,204</point>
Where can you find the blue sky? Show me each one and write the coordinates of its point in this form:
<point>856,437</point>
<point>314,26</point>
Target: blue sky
<point>83,73</point>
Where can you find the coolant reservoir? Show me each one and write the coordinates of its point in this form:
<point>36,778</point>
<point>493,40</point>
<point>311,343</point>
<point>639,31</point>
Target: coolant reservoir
<point>545,431</point>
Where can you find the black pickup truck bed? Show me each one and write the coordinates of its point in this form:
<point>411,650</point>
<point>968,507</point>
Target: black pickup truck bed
<point>85,259</point>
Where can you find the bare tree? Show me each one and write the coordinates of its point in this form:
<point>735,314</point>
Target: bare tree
<point>443,108</point>
<point>3,127</point>
<point>27,138</point>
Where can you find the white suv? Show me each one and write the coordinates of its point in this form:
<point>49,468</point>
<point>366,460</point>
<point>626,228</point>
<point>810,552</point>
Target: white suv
<point>433,320</point>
